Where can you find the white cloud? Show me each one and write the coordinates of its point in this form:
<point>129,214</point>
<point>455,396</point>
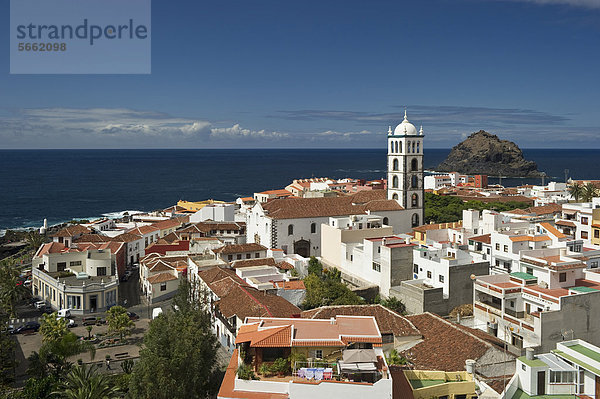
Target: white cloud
<point>115,127</point>
<point>236,131</point>
<point>346,136</point>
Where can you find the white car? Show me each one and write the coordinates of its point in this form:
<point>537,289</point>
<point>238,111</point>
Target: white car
<point>156,312</point>
<point>64,313</point>
<point>40,305</point>
<point>70,322</point>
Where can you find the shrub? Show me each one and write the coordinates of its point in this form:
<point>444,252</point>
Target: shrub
<point>264,369</point>
<point>297,357</point>
<point>245,372</point>
<point>280,366</point>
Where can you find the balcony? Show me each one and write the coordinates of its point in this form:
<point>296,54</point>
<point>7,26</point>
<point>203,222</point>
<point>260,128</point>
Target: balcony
<point>490,307</point>
<point>514,313</point>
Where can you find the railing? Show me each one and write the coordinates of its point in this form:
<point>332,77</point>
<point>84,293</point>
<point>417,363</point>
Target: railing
<point>514,313</point>
<point>491,307</point>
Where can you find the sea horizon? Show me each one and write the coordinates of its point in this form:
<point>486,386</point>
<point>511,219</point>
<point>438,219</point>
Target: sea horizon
<point>65,184</point>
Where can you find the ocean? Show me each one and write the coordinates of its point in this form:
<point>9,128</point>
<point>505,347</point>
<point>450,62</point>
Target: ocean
<point>62,185</point>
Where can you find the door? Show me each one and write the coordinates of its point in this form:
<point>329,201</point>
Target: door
<point>302,248</point>
<point>541,383</point>
<point>93,303</point>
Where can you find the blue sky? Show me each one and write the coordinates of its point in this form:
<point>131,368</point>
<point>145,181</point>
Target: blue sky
<point>287,74</point>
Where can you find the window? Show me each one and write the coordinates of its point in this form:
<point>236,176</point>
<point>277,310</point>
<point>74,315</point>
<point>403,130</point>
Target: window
<point>386,221</point>
<point>313,228</point>
<point>584,220</point>
<point>163,286</point>
<point>378,250</point>
<point>290,229</point>
<point>257,255</point>
<point>497,262</point>
<point>529,270</point>
<point>395,197</point>
<point>395,164</point>
<point>414,165</point>
<point>596,233</point>
<point>561,377</point>
<point>248,256</point>
<point>101,271</point>
<point>441,278</point>
<point>230,257</point>
<point>238,256</point>
<point>395,182</point>
<point>523,367</point>
<point>428,273</point>
<point>415,200</point>
<point>584,235</point>
<point>562,277</point>
<point>497,247</point>
<point>506,248</point>
<point>75,263</point>
<point>415,268</point>
<point>414,182</point>
<point>594,264</point>
<point>376,267</point>
<point>415,220</point>
<point>512,304</point>
<point>60,266</point>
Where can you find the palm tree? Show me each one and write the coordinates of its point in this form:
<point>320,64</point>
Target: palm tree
<point>54,354</point>
<point>10,289</point>
<point>34,239</point>
<point>118,321</point>
<point>85,383</point>
<point>576,191</point>
<point>52,327</point>
<point>589,191</point>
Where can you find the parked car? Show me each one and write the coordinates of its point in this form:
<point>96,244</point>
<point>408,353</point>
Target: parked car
<point>64,313</point>
<point>133,316</point>
<point>47,309</point>
<point>29,326</point>
<point>89,321</point>
<point>156,312</point>
<point>10,329</point>
<point>40,305</point>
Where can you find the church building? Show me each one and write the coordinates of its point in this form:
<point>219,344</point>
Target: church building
<point>294,224</point>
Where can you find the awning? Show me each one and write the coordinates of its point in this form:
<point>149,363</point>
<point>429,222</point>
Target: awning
<point>357,367</point>
<point>359,356</point>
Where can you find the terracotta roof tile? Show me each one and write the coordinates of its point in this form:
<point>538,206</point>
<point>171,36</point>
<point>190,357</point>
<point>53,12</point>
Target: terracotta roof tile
<point>72,231</point>
<point>253,262</point>
<point>445,346</point>
<point>387,320</point>
<point>161,278</point>
<point>486,238</point>
<point>237,248</point>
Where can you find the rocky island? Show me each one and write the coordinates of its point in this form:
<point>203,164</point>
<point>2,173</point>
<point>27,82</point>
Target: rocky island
<point>485,153</point>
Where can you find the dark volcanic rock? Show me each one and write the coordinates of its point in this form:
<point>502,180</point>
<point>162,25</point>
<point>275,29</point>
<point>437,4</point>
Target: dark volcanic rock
<point>485,153</point>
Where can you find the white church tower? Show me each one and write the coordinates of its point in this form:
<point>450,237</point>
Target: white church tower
<point>405,169</point>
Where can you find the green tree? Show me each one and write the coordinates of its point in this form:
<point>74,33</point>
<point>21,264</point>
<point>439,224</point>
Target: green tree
<point>178,358</point>
<point>53,356</point>
<point>394,304</point>
<point>52,327</point>
<point>396,359</point>
<point>324,287</point>
<point>38,388</point>
<point>314,266</point>
<point>118,321</point>
<point>576,191</point>
<point>84,382</point>
<point>34,239</point>
<point>589,191</point>
<point>11,292</point>
<point>7,354</point>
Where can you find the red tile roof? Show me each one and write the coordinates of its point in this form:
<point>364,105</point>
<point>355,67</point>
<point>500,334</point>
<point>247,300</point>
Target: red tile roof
<point>486,238</point>
<point>161,278</point>
<point>72,231</point>
<point>50,248</point>
<point>168,224</point>
<point>290,285</point>
<point>445,346</point>
<point>239,248</point>
<point>387,320</point>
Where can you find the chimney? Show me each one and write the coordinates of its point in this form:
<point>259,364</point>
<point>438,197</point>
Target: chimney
<point>470,366</point>
<point>529,354</point>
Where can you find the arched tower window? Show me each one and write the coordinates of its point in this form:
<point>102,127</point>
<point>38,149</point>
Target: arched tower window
<point>386,220</point>
<point>400,147</point>
<point>395,163</point>
<point>413,147</point>
<point>396,146</point>
<point>418,147</point>
<point>313,228</point>
<point>395,182</point>
<point>414,181</point>
<point>290,229</point>
<point>414,200</point>
<point>408,147</point>
<point>414,165</point>
<point>395,197</point>
<point>415,220</point>
<point>391,146</point>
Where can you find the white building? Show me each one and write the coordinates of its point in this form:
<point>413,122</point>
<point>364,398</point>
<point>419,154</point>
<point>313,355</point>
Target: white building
<point>576,220</point>
<point>214,212</point>
<point>573,368</point>
<point>405,169</point>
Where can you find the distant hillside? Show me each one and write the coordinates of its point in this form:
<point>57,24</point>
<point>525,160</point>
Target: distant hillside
<point>484,153</point>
